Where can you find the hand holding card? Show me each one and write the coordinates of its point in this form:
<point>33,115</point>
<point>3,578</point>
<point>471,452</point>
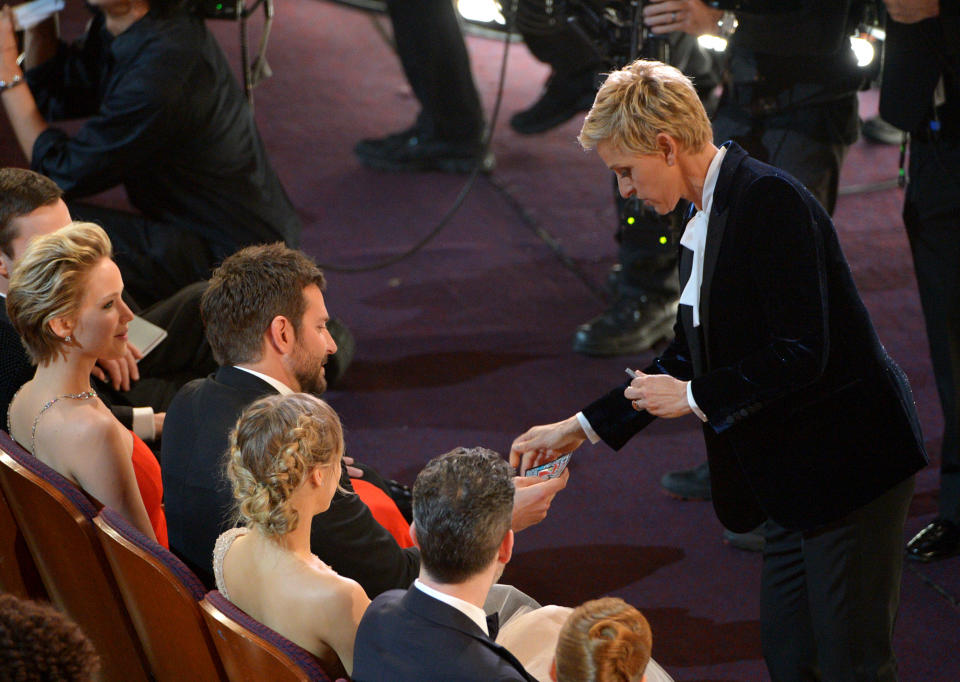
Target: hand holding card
<point>550,469</point>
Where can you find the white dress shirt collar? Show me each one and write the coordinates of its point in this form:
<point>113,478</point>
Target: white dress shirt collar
<point>471,611</point>
<point>281,387</point>
<point>695,237</point>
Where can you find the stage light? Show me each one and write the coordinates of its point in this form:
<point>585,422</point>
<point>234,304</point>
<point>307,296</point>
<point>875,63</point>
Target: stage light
<point>481,11</point>
<point>863,50</point>
<point>715,43</point>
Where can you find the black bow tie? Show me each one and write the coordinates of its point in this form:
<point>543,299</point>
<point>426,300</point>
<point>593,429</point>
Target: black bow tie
<point>493,625</point>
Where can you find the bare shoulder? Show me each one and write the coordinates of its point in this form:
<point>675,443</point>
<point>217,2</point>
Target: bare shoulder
<point>334,596</point>
<point>97,429</point>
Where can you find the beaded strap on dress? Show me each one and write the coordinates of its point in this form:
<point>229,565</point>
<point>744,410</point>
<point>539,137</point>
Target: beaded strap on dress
<point>83,395</point>
<point>220,549</point>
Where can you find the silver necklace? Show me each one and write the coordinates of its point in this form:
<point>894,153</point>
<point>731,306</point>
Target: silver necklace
<point>84,395</point>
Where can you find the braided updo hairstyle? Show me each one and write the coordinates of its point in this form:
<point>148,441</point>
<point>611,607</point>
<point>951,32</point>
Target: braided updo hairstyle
<point>604,640</point>
<point>277,442</point>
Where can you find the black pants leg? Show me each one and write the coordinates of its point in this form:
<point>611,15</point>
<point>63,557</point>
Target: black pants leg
<point>435,59</point>
<point>931,214</point>
<point>830,595</point>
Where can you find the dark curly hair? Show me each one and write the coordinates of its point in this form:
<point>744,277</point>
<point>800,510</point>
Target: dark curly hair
<point>38,643</point>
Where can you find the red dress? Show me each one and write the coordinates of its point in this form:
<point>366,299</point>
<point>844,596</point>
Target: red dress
<point>147,469</point>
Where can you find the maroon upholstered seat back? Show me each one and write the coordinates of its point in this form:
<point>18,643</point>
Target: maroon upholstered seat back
<point>56,520</point>
<point>163,598</point>
<point>252,651</point>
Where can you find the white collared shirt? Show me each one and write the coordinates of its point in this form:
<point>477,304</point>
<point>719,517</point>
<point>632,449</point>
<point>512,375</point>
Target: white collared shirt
<point>471,611</point>
<point>695,237</point>
<point>281,387</point>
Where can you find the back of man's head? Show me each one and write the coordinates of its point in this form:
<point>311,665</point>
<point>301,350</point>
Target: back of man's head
<point>21,192</point>
<point>250,289</point>
<point>462,508</point>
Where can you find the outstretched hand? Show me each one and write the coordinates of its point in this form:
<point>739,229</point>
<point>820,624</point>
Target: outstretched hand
<point>532,498</point>
<point>545,443</point>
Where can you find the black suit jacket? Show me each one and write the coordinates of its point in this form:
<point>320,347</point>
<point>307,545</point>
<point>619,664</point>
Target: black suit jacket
<point>809,418</point>
<point>198,501</point>
<point>412,637</point>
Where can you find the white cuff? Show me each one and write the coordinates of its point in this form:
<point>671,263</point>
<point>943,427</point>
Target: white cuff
<point>143,423</point>
<point>693,403</point>
<point>587,429</point>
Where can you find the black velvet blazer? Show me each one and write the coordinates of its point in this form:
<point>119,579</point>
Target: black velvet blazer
<point>809,418</point>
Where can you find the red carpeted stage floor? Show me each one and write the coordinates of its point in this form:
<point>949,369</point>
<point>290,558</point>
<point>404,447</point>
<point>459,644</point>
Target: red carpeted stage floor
<point>468,341</point>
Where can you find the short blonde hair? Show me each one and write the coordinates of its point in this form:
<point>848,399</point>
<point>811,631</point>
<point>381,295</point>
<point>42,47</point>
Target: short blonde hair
<point>640,100</point>
<point>277,442</point>
<point>48,282</point>
<point>604,640</point>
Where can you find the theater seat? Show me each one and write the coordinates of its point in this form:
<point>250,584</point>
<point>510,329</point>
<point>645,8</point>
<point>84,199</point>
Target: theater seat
<point>163,598</point>
<point>56,519</point>
<point>252,651</point>
<point>18,572</point>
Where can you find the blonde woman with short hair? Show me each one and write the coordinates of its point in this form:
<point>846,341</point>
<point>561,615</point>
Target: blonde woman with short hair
<point>810,426</point>
<point>65,302</point>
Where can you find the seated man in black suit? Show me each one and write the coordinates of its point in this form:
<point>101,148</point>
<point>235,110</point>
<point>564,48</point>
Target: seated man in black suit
<point>437,629</point>
<point>266,319</point>
<point>30,206</point>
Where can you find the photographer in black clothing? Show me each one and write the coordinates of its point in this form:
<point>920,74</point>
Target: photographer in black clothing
<point>789,99</point>
<point>168,121</point>
<point>920,93</point>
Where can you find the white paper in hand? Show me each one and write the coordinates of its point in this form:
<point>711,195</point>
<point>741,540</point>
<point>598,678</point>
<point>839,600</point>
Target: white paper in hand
<point>29,14</point>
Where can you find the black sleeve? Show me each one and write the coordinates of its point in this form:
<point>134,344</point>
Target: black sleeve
<point>350,540</point>
<point>15,367</point>
<point>66,86</point>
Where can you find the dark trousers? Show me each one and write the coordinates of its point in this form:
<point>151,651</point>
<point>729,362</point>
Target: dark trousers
<point>435,60</point>
<point>830,595</point>
<point>156,260</point>
<point>931,214</point>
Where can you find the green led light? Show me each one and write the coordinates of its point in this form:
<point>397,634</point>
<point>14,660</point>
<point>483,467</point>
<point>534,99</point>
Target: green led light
<point>631,220</point>
<point>219,6</point>
<point>663,240</point>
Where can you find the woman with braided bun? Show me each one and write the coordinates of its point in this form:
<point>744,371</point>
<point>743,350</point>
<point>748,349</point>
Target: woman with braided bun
<point>65,302</point>
<point>603,640</point>
<point>606,640</point>
<point>283,464</point>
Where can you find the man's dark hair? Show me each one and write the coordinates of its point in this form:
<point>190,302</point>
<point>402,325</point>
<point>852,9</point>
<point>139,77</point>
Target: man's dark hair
<point>462,508</point>
<point>21,192</point>
<point>247,291</point>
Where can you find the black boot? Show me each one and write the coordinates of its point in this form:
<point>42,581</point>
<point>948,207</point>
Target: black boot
<point>629,326</point>
<point>563,97</point>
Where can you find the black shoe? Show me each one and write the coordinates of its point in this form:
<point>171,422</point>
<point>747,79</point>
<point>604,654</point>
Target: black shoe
<point>939,540</point>
<point>751,541</point>
<point>691,484</point>
<point>877,130</point>
<point>630,325</point>
<point>562,98</point>
<point>403,497</point>
<point>411,150</point>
